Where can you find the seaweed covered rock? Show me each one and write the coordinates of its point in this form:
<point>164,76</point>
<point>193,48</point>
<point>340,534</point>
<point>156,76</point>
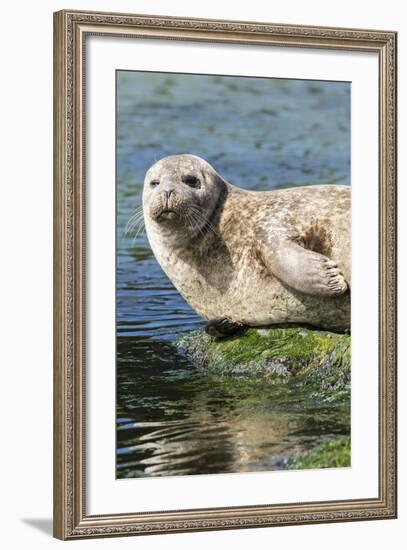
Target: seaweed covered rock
<point>313,358</point>
<point>334,453</point>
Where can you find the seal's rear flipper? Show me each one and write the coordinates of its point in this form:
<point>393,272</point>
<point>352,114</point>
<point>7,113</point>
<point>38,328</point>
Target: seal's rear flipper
<point>222,328</point>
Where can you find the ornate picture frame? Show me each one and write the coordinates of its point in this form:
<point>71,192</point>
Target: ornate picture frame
<point>71,31</point>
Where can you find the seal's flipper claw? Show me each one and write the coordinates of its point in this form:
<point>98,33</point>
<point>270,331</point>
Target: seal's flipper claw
<point>222,328</point>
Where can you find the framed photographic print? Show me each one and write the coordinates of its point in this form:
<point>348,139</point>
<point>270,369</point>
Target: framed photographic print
<point>225,274</point>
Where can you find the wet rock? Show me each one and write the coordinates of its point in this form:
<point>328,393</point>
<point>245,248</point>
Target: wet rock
<point>318,361</point>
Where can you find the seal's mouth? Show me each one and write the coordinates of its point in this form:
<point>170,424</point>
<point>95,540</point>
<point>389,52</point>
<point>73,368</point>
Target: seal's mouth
<point>167,214</point>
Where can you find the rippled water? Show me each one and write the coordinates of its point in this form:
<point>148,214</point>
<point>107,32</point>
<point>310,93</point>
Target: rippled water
<point>173,419</point>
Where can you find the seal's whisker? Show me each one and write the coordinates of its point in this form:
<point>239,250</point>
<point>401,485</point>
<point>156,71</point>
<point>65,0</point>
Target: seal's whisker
<point>135,224</point>
<point>130,226</point>
<point>129,229</point>
<point>199,216</point>
<point>140,230</point>
<point>189,220</point>
<point>133,221</point>
<point>199,211</point>
<point>135,214</point>
<point>133,230</point>
<point>197,221</point>
<point>200,223</point>
<point>192,221</point>
<point>138,210</point>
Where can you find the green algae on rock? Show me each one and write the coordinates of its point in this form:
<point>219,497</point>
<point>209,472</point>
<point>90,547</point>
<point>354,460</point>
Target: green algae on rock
<point>330,454</point>
<point>319,360</point>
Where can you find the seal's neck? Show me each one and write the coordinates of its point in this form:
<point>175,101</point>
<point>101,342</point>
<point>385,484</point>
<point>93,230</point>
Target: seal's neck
<point>165,242</point>
<point>162,237</point>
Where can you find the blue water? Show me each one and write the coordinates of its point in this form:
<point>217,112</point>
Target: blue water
<point>259,134</point>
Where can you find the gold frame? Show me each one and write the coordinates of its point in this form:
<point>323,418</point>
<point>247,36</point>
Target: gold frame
<point>70,31</point>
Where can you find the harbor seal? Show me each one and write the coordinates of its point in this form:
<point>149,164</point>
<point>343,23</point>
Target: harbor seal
<point>250,258</point>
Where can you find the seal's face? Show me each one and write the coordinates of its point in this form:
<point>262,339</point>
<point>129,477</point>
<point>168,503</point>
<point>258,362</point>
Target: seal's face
<point>180,193</point>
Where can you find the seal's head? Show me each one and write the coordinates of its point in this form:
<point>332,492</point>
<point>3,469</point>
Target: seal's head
<point>180,193</point>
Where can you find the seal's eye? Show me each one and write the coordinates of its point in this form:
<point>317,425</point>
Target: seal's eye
<point>192,181</point>
<point>154,183</point>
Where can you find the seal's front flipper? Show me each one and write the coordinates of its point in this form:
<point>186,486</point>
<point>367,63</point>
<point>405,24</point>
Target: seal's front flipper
<point>304,270</point>
<point>222,328</point>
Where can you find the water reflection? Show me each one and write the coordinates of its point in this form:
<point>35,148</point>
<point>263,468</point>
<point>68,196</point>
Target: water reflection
<point>174,419</point>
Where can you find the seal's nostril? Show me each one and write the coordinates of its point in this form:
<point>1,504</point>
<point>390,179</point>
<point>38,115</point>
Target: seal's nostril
<point>167,194</point>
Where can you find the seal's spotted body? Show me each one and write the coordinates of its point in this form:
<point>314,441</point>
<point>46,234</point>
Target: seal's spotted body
<point>254,258</point>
